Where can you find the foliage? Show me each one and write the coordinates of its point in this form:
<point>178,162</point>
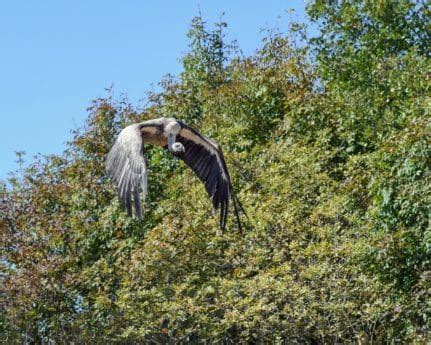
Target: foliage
<point>327,142</point>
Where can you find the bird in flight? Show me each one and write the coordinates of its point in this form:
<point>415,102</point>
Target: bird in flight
<point>127,167</point>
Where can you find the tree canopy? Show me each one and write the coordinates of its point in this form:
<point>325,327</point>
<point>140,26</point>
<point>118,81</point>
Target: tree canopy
<point>327,140</point>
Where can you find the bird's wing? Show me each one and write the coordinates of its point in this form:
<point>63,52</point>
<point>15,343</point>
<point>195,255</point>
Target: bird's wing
<point>204,156</point>
<point>126,165</point>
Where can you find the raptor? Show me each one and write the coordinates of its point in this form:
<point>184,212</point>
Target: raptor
<point>127,166</point>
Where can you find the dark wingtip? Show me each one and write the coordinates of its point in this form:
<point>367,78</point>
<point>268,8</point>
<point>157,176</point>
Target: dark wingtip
<point>237,205</point>
<point>223,215</point>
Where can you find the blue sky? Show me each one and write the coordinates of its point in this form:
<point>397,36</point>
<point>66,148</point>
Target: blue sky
<point>56,56</point>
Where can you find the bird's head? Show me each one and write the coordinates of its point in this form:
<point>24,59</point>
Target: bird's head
<point>177,148</point>
<point>171,130</point>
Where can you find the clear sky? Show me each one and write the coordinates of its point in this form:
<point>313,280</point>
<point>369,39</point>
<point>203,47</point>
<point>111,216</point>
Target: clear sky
<point>56,56</point>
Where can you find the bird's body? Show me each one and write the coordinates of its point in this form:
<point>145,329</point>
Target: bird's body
<point>154,136</point>
<point>126,163</point>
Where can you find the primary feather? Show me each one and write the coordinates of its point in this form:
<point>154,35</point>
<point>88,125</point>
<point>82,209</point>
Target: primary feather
<point>126,165</point>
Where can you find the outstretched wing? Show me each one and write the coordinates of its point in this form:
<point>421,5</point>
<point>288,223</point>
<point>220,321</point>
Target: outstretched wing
<point>204,156</point>
<point>126,165</point>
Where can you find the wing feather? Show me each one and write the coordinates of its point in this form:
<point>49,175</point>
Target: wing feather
<point>126,165</point>
<point>205,158</point>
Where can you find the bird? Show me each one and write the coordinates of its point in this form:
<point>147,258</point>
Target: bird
<point>126,163</point>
